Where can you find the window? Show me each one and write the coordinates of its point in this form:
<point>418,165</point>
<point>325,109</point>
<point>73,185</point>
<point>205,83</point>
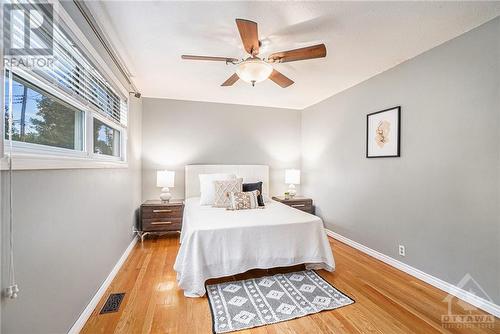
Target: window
<point>72,70</point>
<point>76,75</point>
<point>106,139</point>
<point>40,118</point>
<point>67,110</point>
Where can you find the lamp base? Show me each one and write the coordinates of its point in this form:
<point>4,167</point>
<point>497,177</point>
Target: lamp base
<point>292,191</point>
<point>165,195</point>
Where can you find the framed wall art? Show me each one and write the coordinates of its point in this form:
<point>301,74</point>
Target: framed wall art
<point>383,133</point>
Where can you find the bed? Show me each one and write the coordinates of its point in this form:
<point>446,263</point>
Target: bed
<point>216,242</point>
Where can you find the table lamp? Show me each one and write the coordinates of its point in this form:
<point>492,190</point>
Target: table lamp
<point>292,177</point>
<point>165,179</point>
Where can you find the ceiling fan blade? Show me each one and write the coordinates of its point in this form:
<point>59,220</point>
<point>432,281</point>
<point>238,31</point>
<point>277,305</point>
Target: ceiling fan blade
<point>210,58</point>
<point>310,52</point>
<point>232,79</point>
<point>249,35</point>
<point>280,79</point>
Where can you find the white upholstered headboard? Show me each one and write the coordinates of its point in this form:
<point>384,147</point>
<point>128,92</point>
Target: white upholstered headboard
<point>249,173</point>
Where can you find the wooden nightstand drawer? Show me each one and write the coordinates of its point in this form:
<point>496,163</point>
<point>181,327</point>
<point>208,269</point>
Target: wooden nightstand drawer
<point>299,203</point>
<point>304,206</point>
<point>155,224</point>
<point>161,212</point>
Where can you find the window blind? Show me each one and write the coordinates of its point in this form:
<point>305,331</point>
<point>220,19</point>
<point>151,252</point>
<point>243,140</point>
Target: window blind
<point>72,72</point>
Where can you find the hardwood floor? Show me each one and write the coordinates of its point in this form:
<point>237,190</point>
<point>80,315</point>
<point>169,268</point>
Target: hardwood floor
<point>387,300</point>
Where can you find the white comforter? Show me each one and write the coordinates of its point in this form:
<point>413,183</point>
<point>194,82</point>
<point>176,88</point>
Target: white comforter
<point>217,242</point>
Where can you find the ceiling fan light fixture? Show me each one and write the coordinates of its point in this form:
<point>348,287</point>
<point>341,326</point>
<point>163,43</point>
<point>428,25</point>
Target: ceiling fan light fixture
<point>254,70</point>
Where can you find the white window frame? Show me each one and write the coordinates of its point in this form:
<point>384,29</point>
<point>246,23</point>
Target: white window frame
<point>90,136</point>
<point>35,156</point>
<point>27,156</point>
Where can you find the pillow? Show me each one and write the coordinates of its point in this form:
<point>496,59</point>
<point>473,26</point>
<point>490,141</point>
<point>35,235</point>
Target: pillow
<point>207,188</point>
<point>255,186</point>
<point>222,190</point>
<point>243,200</point>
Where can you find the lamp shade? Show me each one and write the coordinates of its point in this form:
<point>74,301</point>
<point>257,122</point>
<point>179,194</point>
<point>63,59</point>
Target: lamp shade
<point>292,176</point>
<point>165,178</point>
<point>254,70</point>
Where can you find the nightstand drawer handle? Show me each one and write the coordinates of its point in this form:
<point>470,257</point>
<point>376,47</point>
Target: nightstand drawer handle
<point>160,211</point>
<point>298,205</point>
<point>161,223</point>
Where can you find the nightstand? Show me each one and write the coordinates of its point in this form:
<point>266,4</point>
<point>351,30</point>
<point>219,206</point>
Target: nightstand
<point>297,202</point>
<point>158,217</point>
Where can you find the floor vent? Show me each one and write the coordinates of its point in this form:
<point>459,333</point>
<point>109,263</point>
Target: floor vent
<point>113,303</point>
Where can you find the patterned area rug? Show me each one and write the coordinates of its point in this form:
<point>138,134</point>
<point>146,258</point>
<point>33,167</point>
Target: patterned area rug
<point>267,300</point>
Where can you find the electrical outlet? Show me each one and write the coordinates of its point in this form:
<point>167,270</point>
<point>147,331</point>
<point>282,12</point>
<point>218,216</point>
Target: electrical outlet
<point>402,250</point>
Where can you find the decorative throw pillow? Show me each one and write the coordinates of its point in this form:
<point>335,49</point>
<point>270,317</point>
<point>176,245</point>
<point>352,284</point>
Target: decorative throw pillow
<point>207,188</point>
<point>243,200</point>
<point>255,186</point>
<point>222,190</point>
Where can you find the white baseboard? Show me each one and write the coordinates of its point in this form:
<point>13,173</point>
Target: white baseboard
<point>464,295</point>
<point>82,319</point>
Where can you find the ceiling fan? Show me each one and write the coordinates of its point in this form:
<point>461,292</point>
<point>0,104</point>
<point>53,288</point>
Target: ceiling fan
<point>254,69</point>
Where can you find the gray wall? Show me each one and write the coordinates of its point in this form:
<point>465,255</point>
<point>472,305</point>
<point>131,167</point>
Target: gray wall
<point>71,227</point>
<point>177,133</point>
<point>441,197</point>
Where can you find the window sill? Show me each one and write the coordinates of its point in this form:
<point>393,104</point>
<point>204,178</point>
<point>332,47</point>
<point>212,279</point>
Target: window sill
<point>38,161</point>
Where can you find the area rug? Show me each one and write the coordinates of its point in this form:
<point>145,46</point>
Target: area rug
<point>262,301</point>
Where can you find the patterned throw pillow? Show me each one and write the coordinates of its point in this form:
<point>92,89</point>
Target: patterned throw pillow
<point>243,200</point>
<point>207,188</point>
<point>252,187</point>
<point>222,190</point>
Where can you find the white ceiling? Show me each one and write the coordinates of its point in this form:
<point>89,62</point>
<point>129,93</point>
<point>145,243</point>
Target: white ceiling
<point>362,40</point>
